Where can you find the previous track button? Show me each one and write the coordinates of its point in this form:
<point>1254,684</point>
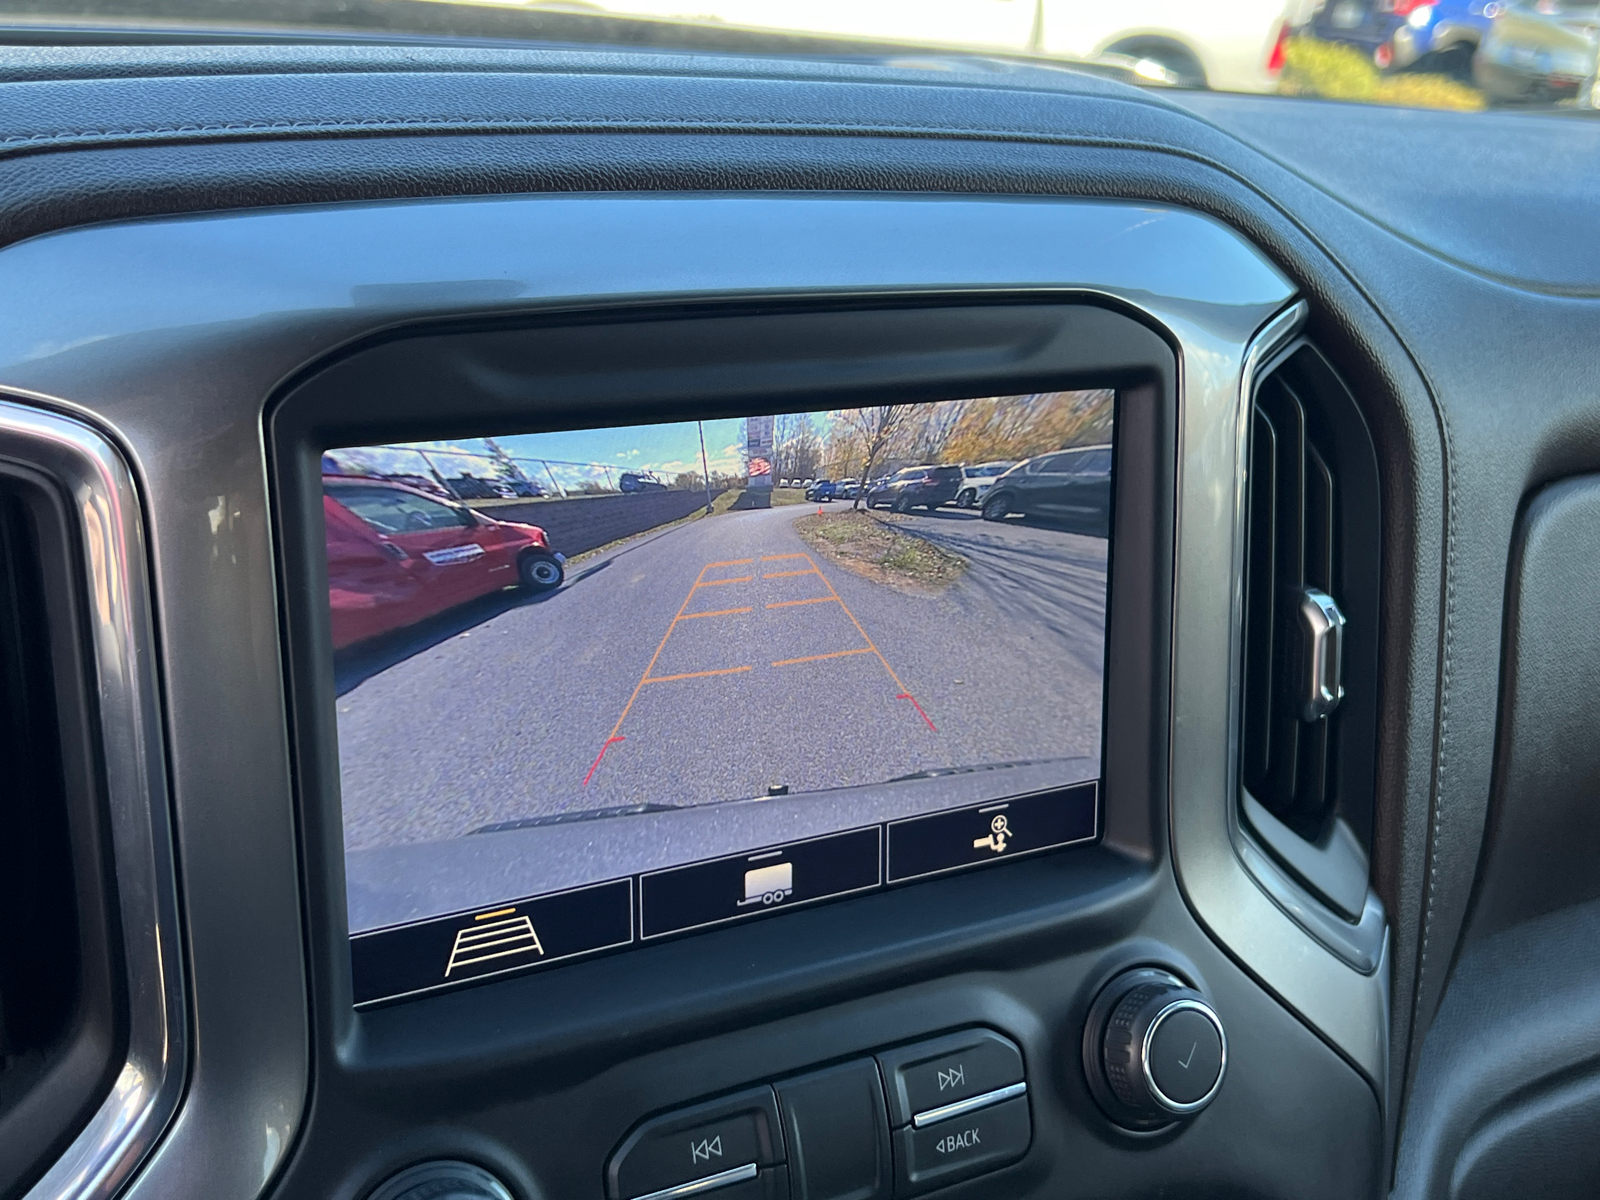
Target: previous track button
<point>699,1143</point>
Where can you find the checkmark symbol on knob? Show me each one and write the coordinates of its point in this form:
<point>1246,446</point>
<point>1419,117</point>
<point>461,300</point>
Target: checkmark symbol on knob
<point>1184,1062</point>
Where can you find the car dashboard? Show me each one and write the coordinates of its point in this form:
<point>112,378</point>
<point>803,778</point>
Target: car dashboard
<point>1350,405</point>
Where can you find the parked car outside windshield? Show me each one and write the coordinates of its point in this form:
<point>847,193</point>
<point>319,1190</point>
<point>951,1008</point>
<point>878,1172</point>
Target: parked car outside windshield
<point>1461,55</point>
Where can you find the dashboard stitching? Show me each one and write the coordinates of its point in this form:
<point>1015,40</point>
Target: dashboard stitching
<point>1441,745</point>
<point>511,124</point>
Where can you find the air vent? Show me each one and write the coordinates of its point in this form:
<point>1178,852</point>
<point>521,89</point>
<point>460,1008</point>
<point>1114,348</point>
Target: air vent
<point>38,982</point>
<point>59,1025</point>
<point>1309,703</point>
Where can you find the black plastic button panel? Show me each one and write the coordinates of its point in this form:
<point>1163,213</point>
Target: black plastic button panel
<point>956,1107</point>
<point>837,1132</point>
<point>727,1141</point>
<point>962,1146</point>
<point>960,1108</point>
<point>936,1074</point>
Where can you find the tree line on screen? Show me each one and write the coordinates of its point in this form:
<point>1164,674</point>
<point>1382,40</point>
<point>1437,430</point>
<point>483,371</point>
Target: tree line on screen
<point>867,443</point>
<point>860,443</point>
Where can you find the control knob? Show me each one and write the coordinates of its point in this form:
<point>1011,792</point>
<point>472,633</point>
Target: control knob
<point>1154,1049</point>
<point>442,1180</point>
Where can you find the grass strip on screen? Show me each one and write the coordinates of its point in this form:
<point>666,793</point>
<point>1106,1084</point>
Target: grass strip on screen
<point>869,545</point>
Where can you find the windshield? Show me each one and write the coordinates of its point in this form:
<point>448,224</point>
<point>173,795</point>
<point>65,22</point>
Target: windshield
<point>390,510</point>
<point>1465,55</point>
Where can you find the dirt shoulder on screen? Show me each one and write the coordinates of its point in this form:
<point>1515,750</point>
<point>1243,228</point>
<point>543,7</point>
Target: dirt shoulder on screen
<point>870,545</point>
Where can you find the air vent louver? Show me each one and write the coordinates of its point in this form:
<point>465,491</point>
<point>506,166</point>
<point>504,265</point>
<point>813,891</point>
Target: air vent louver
<point>1291,539</point>
<point>1312,533</point>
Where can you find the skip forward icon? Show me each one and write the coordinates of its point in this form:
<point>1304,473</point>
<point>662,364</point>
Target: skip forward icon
<point>954,1077</point>
<point>705,1149</point>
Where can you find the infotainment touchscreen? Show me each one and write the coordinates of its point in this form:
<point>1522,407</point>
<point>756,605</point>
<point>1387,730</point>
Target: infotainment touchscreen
<point>601,687</point>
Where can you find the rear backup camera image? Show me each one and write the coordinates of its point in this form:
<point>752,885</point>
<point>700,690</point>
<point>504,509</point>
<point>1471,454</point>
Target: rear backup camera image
<point>601,686</point>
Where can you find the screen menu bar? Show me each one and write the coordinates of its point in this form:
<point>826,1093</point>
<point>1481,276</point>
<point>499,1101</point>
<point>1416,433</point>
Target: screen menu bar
<point>520,935</point>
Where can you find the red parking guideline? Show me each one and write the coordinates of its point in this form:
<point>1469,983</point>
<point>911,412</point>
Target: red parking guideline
<point>598,757</point>
<point>915,705</point>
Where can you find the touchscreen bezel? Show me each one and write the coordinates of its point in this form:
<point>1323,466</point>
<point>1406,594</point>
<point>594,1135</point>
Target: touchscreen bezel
<point>377,394</point>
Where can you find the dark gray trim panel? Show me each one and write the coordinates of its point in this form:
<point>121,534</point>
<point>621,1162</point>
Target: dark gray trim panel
<point>106,511</point>
<point>175,332</point>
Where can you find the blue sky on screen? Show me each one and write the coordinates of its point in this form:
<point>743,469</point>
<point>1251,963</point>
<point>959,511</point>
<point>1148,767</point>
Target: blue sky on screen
<point>665,449</point>
<point>574,456</point>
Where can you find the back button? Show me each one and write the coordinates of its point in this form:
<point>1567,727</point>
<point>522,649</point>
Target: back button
<point>961,1147</point>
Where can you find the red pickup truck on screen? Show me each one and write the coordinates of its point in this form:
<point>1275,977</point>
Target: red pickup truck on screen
<point>397,555</point>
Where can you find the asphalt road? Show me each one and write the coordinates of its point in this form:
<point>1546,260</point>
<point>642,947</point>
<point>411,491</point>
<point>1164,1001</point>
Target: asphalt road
<point>707,664</point>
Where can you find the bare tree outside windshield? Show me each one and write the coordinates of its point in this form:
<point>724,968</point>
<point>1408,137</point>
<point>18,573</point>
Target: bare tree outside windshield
<point>1462,55</point>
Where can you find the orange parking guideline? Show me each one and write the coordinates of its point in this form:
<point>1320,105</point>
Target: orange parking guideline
<point>700,582</point>
<point>640,685</point>
<point>905,692</point>
<point>697,674</point>
<point>789,662</point>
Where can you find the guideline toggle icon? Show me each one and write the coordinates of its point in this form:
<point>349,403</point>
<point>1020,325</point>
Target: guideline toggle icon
<point>506,934</point>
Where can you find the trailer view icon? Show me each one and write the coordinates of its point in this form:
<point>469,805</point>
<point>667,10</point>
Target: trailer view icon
<point>768,885</point>
<point>504,935</point>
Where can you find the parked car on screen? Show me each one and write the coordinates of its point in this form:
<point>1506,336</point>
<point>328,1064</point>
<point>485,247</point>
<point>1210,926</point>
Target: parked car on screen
<point>1229,45</point>
<point>1071,486</point>
<point>820,490</point>
<point>1545,50</point>
<point>976,481</point>
<point>422,483</point>
<point>633,482</point>
<point>1401,33</point>
<point>916,487</point>
<point>468,486</point>
<point>847,489</point>
<point>397,555</point>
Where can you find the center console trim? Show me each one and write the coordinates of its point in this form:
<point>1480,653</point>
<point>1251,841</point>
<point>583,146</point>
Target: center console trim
<point>176,332</point>
<point>90,471</point>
